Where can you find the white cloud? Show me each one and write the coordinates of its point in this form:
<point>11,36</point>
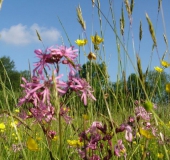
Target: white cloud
<point>23,35</point>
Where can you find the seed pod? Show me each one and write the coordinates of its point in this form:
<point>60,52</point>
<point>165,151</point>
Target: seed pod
<point>80,17</point>
<point>165,39</point>
<point>122,22</point>
<point>127,7</point>
<point>38,35</point>
<point>151,29</point>
<point>131,6</point>
<point>140,31</point>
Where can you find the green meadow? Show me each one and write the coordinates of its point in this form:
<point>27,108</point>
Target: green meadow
<point>87,115</point>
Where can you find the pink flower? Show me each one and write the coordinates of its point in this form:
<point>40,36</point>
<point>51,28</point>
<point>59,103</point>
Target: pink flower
<point>119,149</point>
<point>43,112</point>
<point>94,127</point>
<point>39,89</point>
<point>141,112</point>
<point>128,133</point>
<point>81,87</point>
<point>64,113</point>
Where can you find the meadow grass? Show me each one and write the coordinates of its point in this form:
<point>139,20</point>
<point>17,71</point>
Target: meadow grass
<point>122,123</point>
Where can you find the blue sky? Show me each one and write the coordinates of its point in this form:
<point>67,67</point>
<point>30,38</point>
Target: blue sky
<point>20,20</point>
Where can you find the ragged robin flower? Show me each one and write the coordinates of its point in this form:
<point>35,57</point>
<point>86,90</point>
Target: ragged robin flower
<point>81,42</point>
<point>96,39</point>
<point>158,69</point>
<point>165,64</point>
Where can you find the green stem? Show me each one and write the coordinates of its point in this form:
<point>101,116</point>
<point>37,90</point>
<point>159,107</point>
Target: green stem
<point>60,135</point>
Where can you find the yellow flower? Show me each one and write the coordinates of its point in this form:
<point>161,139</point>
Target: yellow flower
<point>158,69</point>
<point>81,42</point>
<point>17,110</point>
<point>96,39</point>
<point>167,87</point>
<point>74,143</point>
<point>91,56</point>
<point>31,144</point>
<point>165,64</point>
<point>2,126</point>
<point>160,155</point>
<point>55,138</point>
<point>14,124</point>
<point>146,133</point>
<point>85,117</point>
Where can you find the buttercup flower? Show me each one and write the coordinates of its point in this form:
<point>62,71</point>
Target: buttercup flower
<point>146,133</point>
<point>81,42</point>
<point>31,144</point>
<point>75,143</point>
<point>96,39</point>
<point>165,64</point>
<point>158,69</point>
<point>167,87</point>
<point>160,155</point>
<point>2,127</point>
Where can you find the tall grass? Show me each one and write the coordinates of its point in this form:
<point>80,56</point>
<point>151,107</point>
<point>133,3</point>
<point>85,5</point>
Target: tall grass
<point>122,131</point>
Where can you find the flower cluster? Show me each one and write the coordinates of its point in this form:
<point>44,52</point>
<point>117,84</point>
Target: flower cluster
<point>37,91</point>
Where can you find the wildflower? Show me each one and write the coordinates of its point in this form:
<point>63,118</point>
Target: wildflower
<point>63,113</point>
<point>31,144</point>
<point>85,117</point>
<point>96,39</point>
<point>81,42</point>
<point>91,56</point>
<point>55,138</point>
<point>35,90</point>
<point>160,155</point>
<point>81,86</point>
<point>167,87</point>
<point>93,128</point>
<point>14,124</point>
<point>158,69</point>
<point>119,149</point>
<point>128,131</point>
<point>53,56</point>
<point>165,64</point>
<point>18,147</point>
<point>141,112</point>
<point>43,112</point>
<point>147,134</point>
<point>2,127</point>
<point>75,143</point>
<point>17,110</point>
<point>51,134</point>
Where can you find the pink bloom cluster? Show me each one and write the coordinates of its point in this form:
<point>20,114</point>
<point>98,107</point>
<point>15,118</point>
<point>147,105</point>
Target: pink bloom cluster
<point>37,91</point>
